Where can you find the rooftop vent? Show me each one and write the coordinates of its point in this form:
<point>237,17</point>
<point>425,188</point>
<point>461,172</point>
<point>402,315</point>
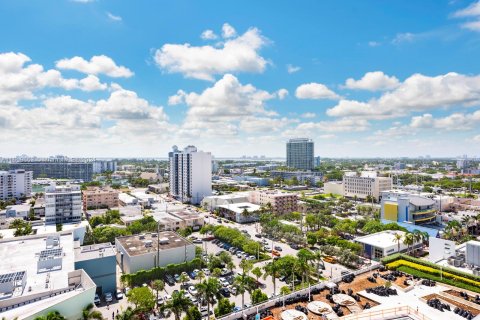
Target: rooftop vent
<point>141,237</point>
<point>154,235</point>
<point>163,240</point>
<point>148,243</point>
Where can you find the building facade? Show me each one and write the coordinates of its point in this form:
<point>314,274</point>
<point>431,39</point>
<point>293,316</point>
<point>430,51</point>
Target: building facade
<point>64,168</point>
<point>15,184</point>
<point>63,204</point>
<point>146,251</point>
<point>381,244</point>
<point>365,185</point>
<point>190,174</point>
<point>99,262</point>
<point>281,202</point>
<point>404,207</point>
<point>303,177</point>
<point>300,154</point>
<point>99,198</point>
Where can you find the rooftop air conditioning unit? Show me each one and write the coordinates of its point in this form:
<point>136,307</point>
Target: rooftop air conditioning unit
<point>148,243</point>
<point>163,240</point>
<point>154,235</point>
<point>141,237</point>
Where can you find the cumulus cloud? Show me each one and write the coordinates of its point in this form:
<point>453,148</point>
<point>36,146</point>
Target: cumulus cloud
<point>308,115</point>
<point>208,35</point>
<point>282,94</point>
<point>19,81</point>
<point>237,54</point>
<point>416,93</point>
<point>454,122</point>
<point>177,98</point>
<point>315,91</point>
<point>373,81</point>
<point>228,31</point>
<point>340,125</point>
<point>292,68</point>
<point>97,65</point>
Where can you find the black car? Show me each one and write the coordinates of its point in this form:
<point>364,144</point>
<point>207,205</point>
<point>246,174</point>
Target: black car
<point>169,280</point>
<point>225,292</point>
<point>282,278</point>
<point>258,235</point>
<point>278,248</point>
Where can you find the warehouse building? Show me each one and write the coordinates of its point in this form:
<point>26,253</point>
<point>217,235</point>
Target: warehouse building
<point>146,251</point>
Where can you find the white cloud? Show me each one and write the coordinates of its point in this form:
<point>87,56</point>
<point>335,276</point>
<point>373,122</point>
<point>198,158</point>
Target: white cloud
<point>19,81</point>
<point>292,69</point>
<point>308,115</point>
<point>373,81</point>
<point>83,1</point>
<point>208,35</point>
<point>472,10</point>
<point>228,31</point>
<point>315,91</point>
<point>476,138</point>
<point>374,43</point>
<point>177,98</point>
<point>404,38</point>
<point>97,65</point>
<point>340,125</point>
<point>282,94</point>
<point>238,54</point>
<point>113,17</point>
<point>416,93</point>
<point>264,124</point>
<point>454,122</point>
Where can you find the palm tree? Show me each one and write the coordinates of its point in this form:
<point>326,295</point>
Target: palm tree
<point>304,256</point>
<point>178,304</point>
<point>158,285</point>
<point>257,272</point>
<point>200,276</point>
<point>246,266</point>
<point>128,314</point>
<point>88,314</point>
<point>183,279</point>
<point>398,238</point>
<point>317,256</point>
<point>408,240</point>
<point>230,266</point>
<point>272,269</point>
<point>209,290</point>
<point>243,283</point>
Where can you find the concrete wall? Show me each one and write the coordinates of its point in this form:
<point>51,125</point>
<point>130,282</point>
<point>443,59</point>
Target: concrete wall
<point>440,249</point>
<point>102,271</point>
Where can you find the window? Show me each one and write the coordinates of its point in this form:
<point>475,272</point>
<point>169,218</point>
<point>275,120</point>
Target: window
<point>378,253</point>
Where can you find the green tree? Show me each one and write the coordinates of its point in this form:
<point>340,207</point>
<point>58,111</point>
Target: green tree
<point>89,314</point>
<point>272,269</point>
<point>183,278</point>
<point>224,307</point>
<point>285,290</point>
<point>209,290</point>
<point>178,304</point>
<point>142,298</point>
<point>257,272</point>
<point>243,283</point>
<point>127,314</point>
<point>258,296</point>
<point>193,314</point>
<point>158,285</point>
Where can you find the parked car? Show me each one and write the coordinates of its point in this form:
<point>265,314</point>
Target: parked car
<point>119,294</point>
<point>96,300</point>
<point>197,241</point>
<point>170,280</point>
<point>192,275</point>
<point>276,253</point>
<point>233,290</point>
<point>160,300</point>
<point>126,290</point>
<point>251,258</point>
<point>224,283</point>
<point>239,254</point>
<point>225,292</point>
<point>219,220</point>
<point>267,248</point>
<point>193,291</point>
<point>278,248</point>
<point>206,271</point>
<point>108,297</point>
<point>258,235</point>
<point>225,272</point>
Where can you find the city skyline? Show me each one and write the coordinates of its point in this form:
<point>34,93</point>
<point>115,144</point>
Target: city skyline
<point>89,78</point>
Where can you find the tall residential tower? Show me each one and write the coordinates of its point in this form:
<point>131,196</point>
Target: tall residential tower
<point>300,154</point>
<point>190,174</point>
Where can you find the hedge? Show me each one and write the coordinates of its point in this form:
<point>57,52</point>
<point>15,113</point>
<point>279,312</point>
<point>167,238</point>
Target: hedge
<point>146,276</point>
<point>425,275</point>
<point>399,256</point>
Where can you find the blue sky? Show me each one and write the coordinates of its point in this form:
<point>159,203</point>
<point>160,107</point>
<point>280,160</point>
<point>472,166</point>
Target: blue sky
<point>362,78</point>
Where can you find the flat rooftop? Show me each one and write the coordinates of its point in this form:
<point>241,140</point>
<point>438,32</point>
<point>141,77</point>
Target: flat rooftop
<point>135,246</point>
<point>382,239</point>
<point>23,254</point>
<point>185,215</point>
<point>94,251</point>
<point>239,207</point>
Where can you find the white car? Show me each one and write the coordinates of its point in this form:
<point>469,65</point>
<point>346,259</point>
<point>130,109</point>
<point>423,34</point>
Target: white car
<point>267,248</point>
<point>224,283</point>
<point>206,271</point>
<point>193,291</point>
<point>96,300</point>
<point>108,297</point>
<point>167,297</point>
<point>119,295</point>
<point>225,272</point>
<point>233,290</point>
<point>239,254</point>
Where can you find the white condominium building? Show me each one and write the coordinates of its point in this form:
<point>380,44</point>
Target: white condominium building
<point>63,204</point>
<point>15,184</point>
<point>300,154</point>
<point>367,184</point>
<point>190,174</point>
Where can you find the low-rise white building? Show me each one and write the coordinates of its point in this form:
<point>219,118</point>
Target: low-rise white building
<point>242,212</point>
<point>382,244</point>
<point>213,202</point>
<point>333,187</point>
<point>367,184</point>
<point>18,211</point>
<point>38,276</point>
<point>146,251</point>
<point>127,200</point>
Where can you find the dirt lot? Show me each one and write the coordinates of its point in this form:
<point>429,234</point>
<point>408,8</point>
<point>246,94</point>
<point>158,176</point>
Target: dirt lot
<point>359,284</point>
<point>474,311</point>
